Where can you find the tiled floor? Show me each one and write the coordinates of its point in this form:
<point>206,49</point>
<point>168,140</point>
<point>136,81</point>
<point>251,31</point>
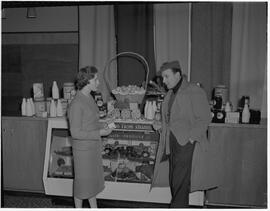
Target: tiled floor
<point>26,200</point>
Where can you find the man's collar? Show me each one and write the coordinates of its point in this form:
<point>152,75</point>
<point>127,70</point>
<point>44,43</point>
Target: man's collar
<point>177,86</point>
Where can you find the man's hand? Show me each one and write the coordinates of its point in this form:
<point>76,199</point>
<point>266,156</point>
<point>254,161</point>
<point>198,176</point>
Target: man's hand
<point>191,140</point>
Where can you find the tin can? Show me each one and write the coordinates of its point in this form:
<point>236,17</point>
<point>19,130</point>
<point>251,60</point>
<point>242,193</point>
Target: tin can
<point>222,90</point>
<point>68,90</point>
<point>217,102</point>
<point>64,103</point>
<point>40,107</point>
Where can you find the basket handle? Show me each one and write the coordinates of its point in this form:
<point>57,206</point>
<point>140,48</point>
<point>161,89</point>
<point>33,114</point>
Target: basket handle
<point>126,53</point>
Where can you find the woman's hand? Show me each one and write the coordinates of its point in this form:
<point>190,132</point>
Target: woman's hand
<point>157,125</point>
<point>105,131</point>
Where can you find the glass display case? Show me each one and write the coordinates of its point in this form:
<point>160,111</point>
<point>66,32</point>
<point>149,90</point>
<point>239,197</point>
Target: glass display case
<point>128,157</point>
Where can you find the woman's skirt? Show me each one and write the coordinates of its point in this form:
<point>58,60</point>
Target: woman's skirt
<point>88,169</point>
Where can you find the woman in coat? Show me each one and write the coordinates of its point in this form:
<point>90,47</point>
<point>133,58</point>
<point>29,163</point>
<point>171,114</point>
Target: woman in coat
<point>86,132</point>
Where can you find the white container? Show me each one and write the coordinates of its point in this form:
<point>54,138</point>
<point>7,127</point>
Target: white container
<point>59,108</point>
<point>146,109</point>
<point>32,106</point>
<point>245,114</point>
<point>55,91</point>
<point>29,111</point>
<point>228,107</point>
<point>52,109</point>
<point>23,107</point>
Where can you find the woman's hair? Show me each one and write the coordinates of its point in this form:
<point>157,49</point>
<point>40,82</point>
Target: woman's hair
<point>84,75</point>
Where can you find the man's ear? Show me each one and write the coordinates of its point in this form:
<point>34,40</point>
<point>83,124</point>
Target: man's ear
<point>178,74</point>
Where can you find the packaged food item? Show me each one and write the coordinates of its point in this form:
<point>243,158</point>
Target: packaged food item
<point>101,105</point>
<point>68,90</point>
<point>38,91</point>
<point>40,107</point>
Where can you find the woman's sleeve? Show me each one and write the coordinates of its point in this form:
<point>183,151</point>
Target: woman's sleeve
<point>75,120</point>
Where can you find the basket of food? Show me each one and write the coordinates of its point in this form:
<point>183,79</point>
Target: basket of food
<point>130,93</point>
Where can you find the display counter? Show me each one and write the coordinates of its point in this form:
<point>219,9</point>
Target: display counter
<point>241,155</point>
<point>128,160</point>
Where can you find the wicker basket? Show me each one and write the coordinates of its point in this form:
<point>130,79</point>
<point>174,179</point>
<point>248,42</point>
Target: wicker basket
<point>132,98</point>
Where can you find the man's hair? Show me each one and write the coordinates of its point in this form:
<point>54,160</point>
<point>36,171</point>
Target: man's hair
<point>173,65</point>
<point>84,75</point>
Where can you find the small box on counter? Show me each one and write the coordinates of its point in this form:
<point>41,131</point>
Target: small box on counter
<point>38,91</point>
<point>232,117</point>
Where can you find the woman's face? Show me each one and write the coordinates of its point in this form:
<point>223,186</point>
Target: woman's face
<point>93,83</point>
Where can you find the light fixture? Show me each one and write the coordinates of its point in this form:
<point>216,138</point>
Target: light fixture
<point>4,15</point>
<point>31,12</point>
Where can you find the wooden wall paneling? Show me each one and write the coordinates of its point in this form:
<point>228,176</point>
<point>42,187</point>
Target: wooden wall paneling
<point>23,154</point>
<point>243,157</point>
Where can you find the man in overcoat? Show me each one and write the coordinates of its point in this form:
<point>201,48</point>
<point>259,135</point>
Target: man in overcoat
<point>183,140</point>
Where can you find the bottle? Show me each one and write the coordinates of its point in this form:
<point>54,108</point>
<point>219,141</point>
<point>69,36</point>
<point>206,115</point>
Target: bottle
<point>52,109</point>
<point>153,110</point>
<point>23,107</point>
<point>59,108</point>
<point>29,111</point>
<point>32,106</point>
<point>145,109</point>
<point>228,107</point>
<point>245,113</point>
<point>55,91</point>
<point>150,111</point>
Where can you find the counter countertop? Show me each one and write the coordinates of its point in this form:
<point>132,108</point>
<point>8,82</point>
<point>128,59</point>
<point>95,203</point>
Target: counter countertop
<point>263,123</point>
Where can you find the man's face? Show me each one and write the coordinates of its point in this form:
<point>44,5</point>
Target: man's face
<point>170,78</point>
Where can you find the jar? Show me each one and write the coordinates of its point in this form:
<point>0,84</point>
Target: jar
<point>48,104</point>
<point>217,102</point>
<point>40,107</point>
<point>222,90</point>
<point>68,90</point>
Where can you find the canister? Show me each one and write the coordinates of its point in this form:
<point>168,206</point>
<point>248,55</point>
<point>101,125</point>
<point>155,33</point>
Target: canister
<point>48,103</point>
<point>40,107</point>
<point>222,90</point>
<point>68,90</point>
<point>64,103</point>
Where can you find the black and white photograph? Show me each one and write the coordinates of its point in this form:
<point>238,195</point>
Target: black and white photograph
<point>134,104</point>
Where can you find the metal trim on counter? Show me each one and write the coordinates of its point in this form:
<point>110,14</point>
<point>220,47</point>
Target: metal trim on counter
<point>262,125</point>
<point>26,118</point>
